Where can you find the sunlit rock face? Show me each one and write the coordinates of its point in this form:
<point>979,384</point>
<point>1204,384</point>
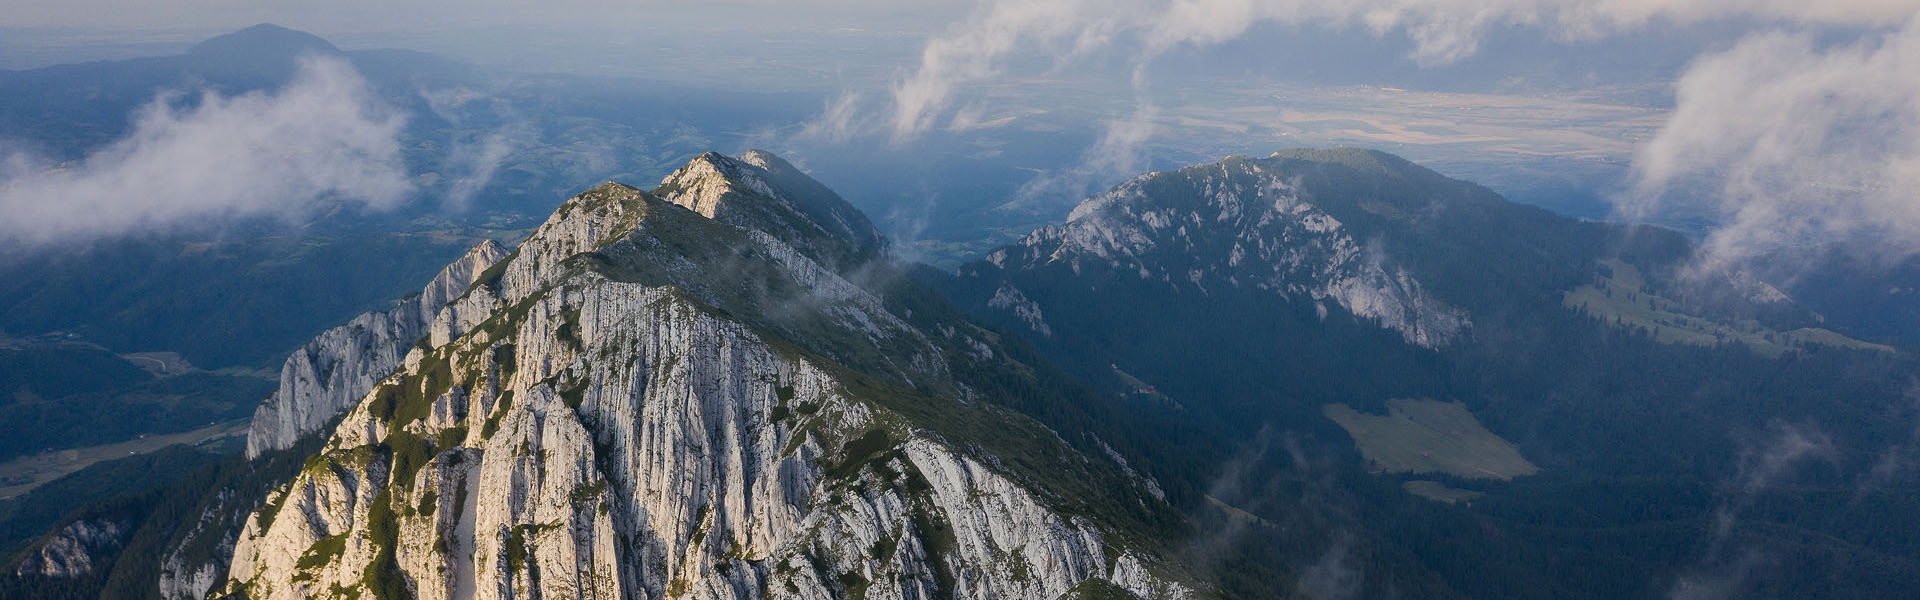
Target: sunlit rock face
<point>329,374</point>
<point>648,399</point>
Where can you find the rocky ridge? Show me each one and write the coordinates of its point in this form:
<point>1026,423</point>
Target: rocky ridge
<point>1237,223</point>
<point>678,393</point>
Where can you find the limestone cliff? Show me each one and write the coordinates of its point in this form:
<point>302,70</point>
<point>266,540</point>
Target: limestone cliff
<point>330,373</point>
<point>653,399</point>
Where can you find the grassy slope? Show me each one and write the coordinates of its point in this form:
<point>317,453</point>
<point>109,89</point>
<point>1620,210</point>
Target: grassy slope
<point>1625,299</point>
<point>1426,436</point>
<point>1434,490</point>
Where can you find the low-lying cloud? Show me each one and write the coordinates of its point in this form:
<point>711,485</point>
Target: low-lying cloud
<point>1796,143</point>
<point>322,140</point>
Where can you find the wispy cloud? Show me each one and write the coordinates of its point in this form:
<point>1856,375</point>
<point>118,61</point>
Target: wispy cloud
<point>1897,461</point>
<point>476,163</point>
<point>1795,142</point>
<point>1333,576</point>
<point>961,73</point>
<point>1119,151</point>
<point>1441,31</point>
<point>321,139</point>
<point>473,158</point>
<point>1727,565</point>
<point>837,123</point>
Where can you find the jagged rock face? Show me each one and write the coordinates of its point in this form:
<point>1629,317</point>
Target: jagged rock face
<point>328,375</point>
<point>72,551</point>
<point>627,418</point>
<point>761,192</point>
<point>182,578</point>
<point>1233,224</point>
<point>1009,298</point>
<point>189,584</point>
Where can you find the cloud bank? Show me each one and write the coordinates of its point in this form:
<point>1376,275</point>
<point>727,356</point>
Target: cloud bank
<point>1007,39</point>
<point>1798,143</point>
<point>321,139</point>
<point>1441,31</point>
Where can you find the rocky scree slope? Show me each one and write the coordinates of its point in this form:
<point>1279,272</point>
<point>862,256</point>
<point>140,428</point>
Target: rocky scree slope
<point>680,393</point>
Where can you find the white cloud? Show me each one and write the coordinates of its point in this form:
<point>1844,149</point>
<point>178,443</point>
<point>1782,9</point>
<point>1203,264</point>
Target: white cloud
<point>1119,151</point>
<point>1122,147</point>
<point>1442,31</point>
<point>478,162</point>
<point>837,123</point>
<point>323,137</point>
<point>1799,141</point>
<point>1798,144</point>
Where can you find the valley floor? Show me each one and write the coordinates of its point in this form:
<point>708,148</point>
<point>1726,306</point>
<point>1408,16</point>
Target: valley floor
<point>22,475</point>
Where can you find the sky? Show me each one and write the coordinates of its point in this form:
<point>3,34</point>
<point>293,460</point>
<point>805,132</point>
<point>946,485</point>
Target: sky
<point>1800,135</point>
<point>348,17</point>
<point>1783,121</point>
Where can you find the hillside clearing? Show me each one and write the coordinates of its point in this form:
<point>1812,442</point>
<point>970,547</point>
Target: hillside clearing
<point>1428,436</point>
<point>1623,299</point>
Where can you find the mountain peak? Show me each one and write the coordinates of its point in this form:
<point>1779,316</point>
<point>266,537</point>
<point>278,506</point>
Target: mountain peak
<point>1345,155</point>
<point>645,401</point>
<point>769,162</point>
<point>765,193</point>
<point>1295,225</point>
<point>815,199</point>
<point>610,189</point>
<point>703,184</point>
<point>1341,180</point>
<point>264,40</point>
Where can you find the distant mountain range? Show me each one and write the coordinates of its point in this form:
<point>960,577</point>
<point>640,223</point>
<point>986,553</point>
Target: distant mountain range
<point>1325,373</point>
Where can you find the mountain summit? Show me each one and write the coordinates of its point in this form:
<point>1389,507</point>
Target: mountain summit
<point>262,41</point>
<point>657,394</point>
<point>1285,226</point>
